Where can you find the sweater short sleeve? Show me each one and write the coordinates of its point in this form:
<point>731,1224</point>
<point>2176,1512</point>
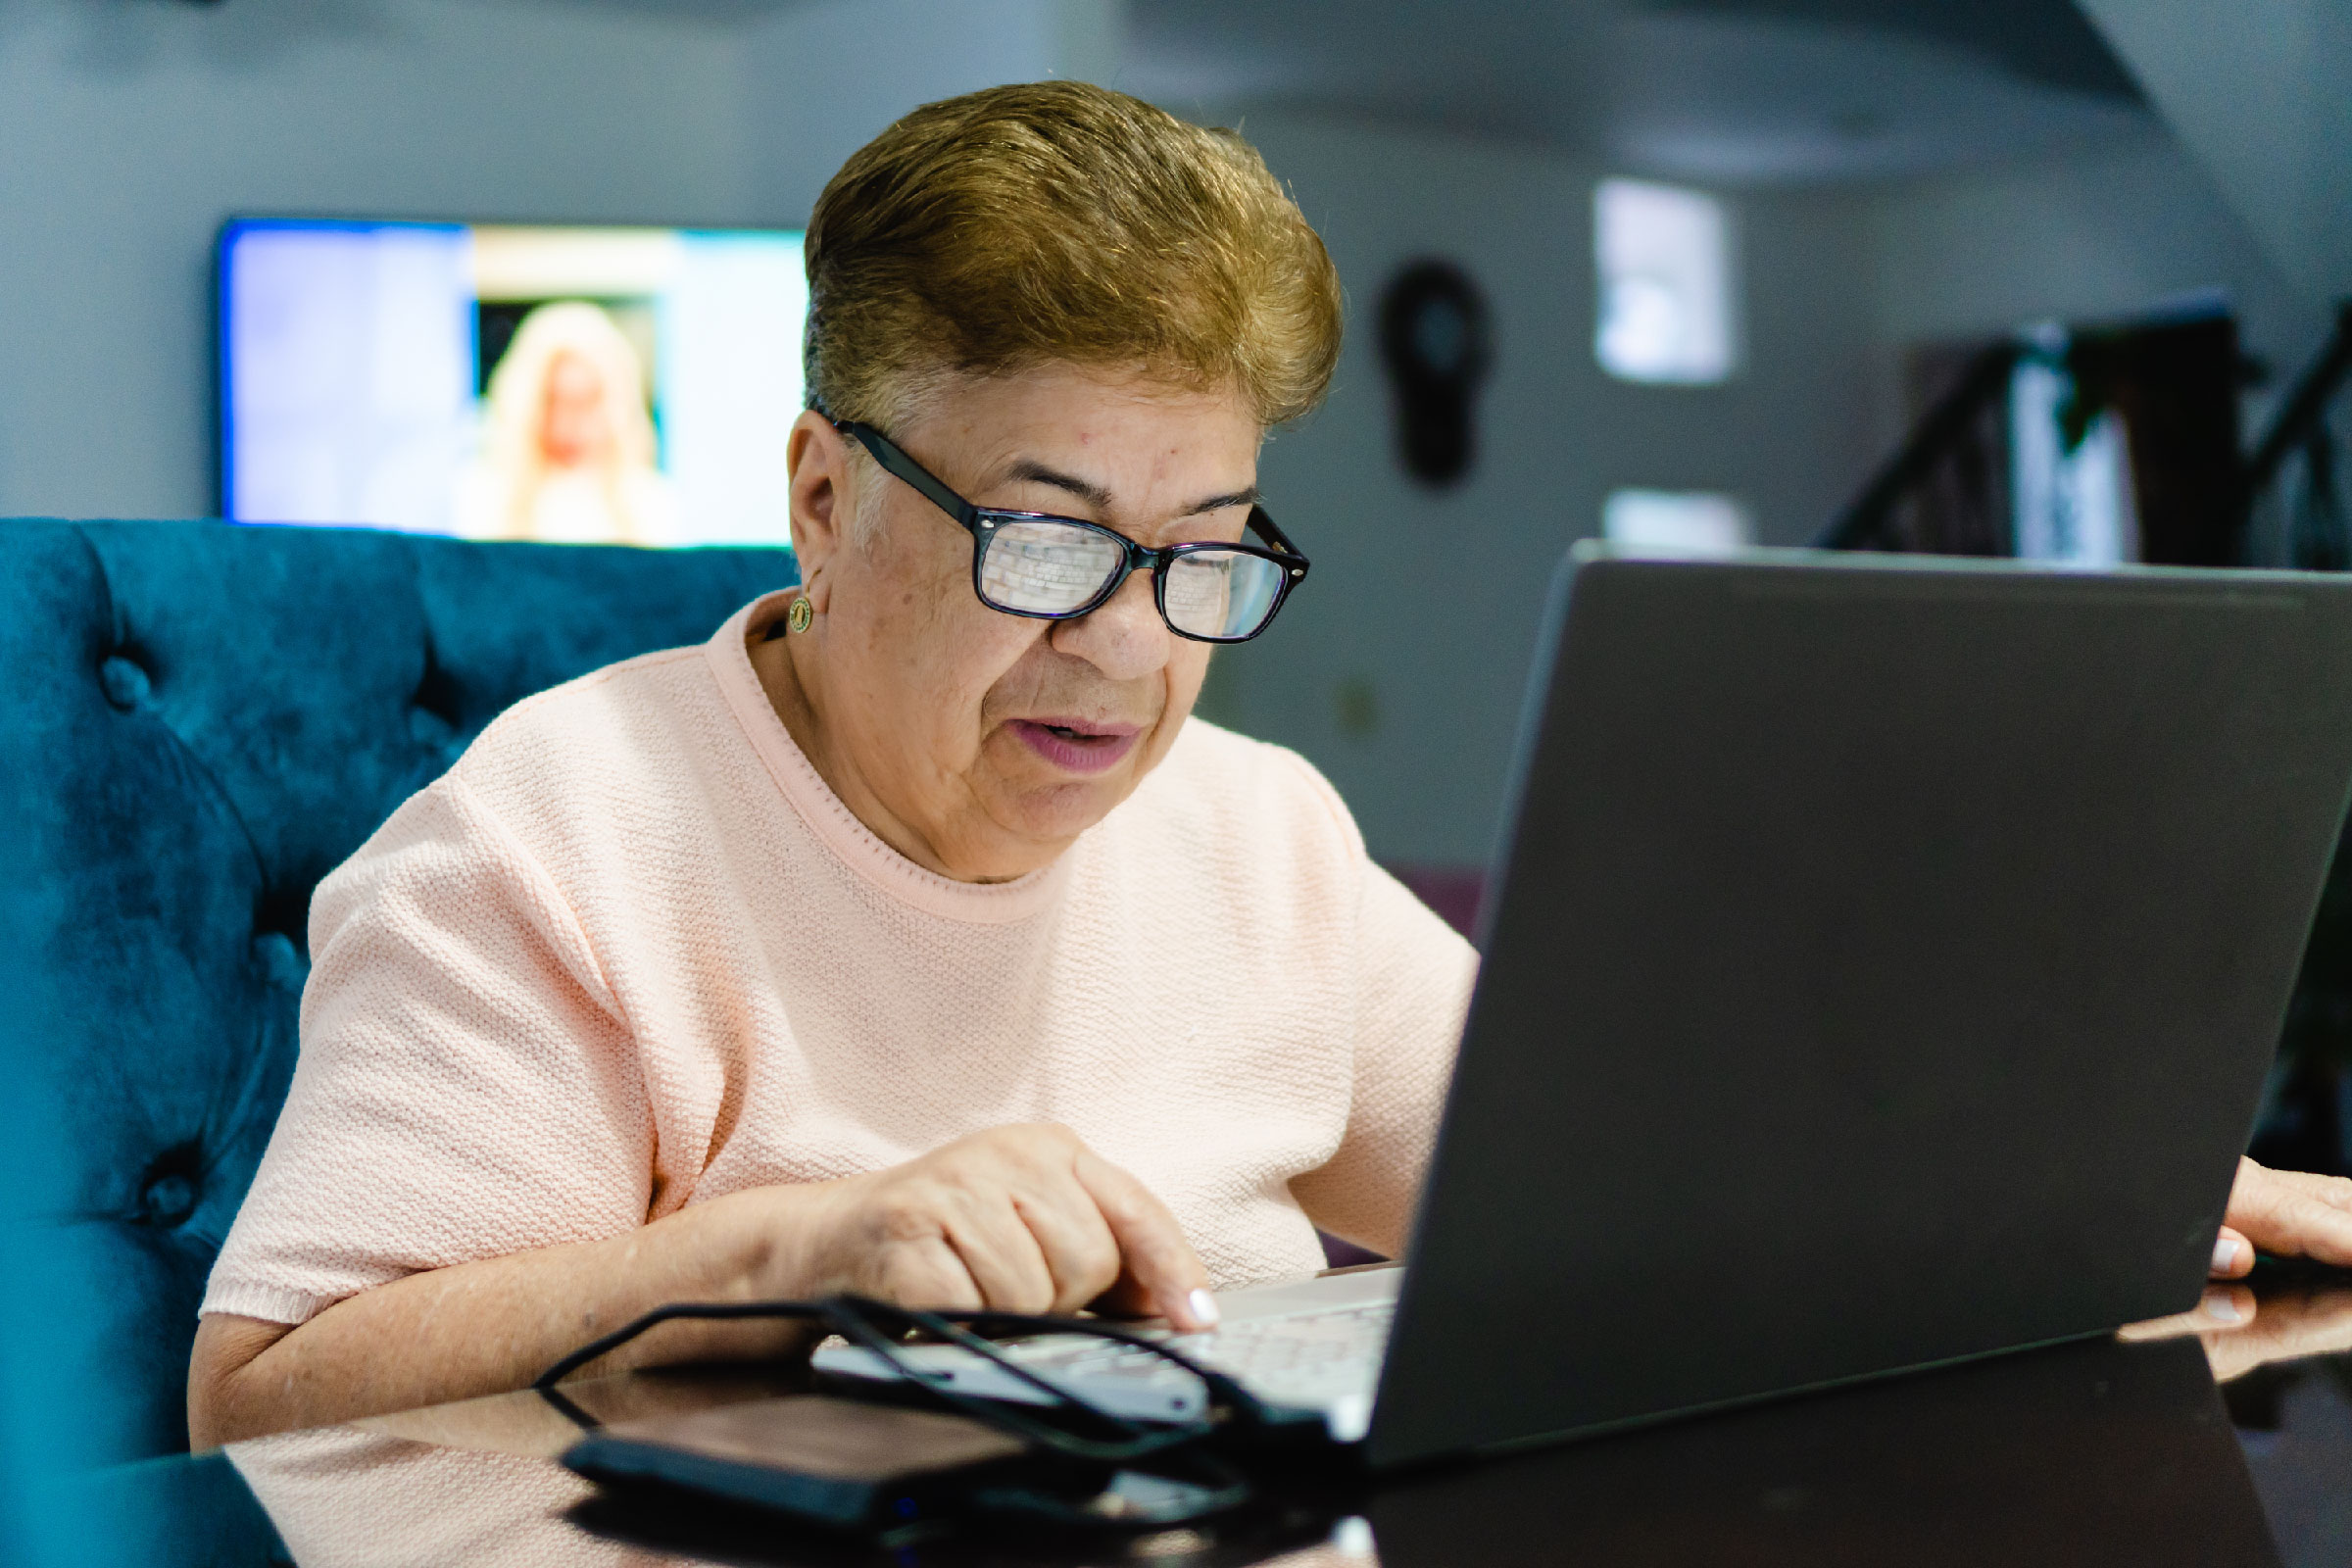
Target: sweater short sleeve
<point>1413,974</point>
<point>466,1086</point>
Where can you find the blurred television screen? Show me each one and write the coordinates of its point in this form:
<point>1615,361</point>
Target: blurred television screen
<point>566,384</point>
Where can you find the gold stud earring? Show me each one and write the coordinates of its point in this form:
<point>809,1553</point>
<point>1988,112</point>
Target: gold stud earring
<point>802,612</point>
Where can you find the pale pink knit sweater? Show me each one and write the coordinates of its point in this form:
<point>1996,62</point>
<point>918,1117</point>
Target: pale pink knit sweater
<point>631,953</point>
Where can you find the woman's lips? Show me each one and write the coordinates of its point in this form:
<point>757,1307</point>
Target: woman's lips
<point>1074,744</point>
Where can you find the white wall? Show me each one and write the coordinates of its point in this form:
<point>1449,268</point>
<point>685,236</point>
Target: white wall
<point>826,77</point>
<point>2081,238</point>
<point>130,128</point>
<point>1430,599</point>
<point>2264,100</point>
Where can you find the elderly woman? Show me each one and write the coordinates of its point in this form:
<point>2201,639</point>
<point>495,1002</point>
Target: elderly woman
<point>908,937</point>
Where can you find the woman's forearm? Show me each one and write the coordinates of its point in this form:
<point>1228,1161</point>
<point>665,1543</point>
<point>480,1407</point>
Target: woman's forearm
<point>493,1326</point>
<point>1023,1219</point>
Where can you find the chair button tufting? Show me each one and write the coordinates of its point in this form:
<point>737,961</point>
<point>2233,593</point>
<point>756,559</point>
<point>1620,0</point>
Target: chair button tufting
<point>274,954</point>
<point>167,1198</point>
<point>428,728</point>
<point>125,684</point>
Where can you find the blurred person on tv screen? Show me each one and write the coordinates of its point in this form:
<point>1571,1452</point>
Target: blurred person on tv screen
<point>567,448</point>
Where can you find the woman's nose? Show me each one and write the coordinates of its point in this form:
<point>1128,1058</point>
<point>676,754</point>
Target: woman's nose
<point>1123,637</point>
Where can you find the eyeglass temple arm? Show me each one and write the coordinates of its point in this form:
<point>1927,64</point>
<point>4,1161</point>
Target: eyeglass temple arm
<point>885,452</point>
<point>1263,527</point>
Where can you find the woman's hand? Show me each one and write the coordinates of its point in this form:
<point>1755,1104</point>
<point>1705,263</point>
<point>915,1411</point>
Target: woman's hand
<point>1024,1219</point>
<point>2285,1213</point>
<point>2287,1326</point>
<point>2241,1333</point>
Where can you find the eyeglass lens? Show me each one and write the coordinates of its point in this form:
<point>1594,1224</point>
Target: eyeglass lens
<point>1046,569</point>
<point>1052,569</point>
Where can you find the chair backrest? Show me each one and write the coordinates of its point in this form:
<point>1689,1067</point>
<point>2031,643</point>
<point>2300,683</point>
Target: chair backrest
<point>197,721</point>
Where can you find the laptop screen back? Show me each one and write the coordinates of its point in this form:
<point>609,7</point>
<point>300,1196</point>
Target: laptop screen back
<point>1885,965</point>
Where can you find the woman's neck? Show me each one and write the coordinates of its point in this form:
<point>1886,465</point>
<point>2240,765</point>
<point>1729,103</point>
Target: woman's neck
<point>791,672</point>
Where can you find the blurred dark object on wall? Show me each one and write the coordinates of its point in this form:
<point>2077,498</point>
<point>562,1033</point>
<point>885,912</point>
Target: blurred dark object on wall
<point>2298,452</point>
<point>1960,504</point>
<point>2318,538</point>
<point>2175,386</point>
<point>1950,489</point>
<point>1435,340</point>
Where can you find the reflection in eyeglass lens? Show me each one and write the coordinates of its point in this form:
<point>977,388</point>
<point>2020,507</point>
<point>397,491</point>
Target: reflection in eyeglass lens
<point>1048,567</point>
<point>1054,569</point>
<point>1200,591</point>
<point>1214,594</point>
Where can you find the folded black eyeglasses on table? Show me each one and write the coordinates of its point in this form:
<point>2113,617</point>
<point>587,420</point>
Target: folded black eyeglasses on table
<point>930,1456</point>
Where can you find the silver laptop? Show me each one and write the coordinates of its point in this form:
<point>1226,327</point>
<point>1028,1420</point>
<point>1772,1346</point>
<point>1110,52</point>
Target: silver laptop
<point>1882,968</point>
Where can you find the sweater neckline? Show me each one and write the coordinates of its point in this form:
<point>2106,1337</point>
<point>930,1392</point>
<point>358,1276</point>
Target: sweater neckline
<point>836,826</point>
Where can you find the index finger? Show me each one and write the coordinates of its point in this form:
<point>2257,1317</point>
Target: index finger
<point>1153,1249</point>
<point>2293,1212</point>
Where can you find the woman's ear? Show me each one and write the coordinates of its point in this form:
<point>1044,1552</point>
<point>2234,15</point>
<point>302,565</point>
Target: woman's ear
<point>817,461</point>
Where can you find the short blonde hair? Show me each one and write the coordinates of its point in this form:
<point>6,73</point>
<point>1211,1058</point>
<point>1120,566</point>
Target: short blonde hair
<point>515,400</point>
<point>1056,221</point>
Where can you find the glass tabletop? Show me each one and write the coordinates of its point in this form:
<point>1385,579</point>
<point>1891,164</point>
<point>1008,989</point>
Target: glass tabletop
<point>2197,1440</point>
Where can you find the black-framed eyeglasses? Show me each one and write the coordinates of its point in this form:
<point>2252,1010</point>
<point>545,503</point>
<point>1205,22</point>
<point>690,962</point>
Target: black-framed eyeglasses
<point>1045,568</point>
<point>1068,1427</point>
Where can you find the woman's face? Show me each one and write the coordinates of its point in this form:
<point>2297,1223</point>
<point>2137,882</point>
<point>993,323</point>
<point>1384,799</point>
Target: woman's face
<point>976,743</point>
<point>573,428</point>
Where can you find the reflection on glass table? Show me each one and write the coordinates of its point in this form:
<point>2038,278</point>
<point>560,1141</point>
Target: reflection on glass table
<point>2220,1436</point>
<point>2283,1355</point>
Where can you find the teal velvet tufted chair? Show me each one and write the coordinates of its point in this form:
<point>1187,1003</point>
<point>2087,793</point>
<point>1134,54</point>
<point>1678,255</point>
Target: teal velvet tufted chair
<point>197,721</point>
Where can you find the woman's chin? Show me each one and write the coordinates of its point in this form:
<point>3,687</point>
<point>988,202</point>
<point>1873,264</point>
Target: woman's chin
<point>1062,810</point>
<point>1043,814</point>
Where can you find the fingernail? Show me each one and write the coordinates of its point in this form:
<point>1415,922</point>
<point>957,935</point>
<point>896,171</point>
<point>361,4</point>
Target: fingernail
<point>2221,1310</point>
<point>2224,1254</point>
<point>1204,1308</point>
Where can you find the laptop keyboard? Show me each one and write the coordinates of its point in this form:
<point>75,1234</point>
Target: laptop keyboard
<point>1325,1359</point>
<point>1305,1354</point>
<point>1345,1338</point>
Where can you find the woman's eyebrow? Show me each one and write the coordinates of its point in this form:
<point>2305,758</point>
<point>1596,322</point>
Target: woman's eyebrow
<point>1232,498</point>
<point>1093,495</point>
<point>1026,472</point>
